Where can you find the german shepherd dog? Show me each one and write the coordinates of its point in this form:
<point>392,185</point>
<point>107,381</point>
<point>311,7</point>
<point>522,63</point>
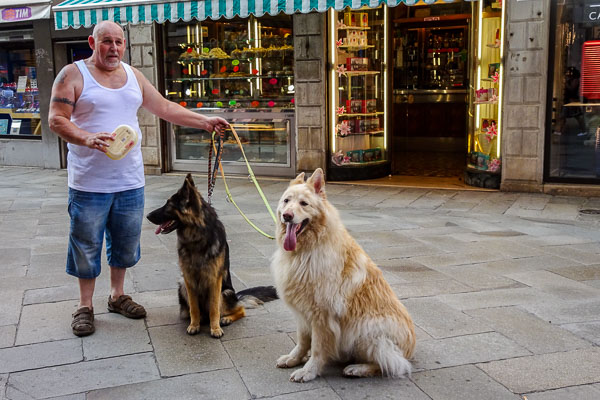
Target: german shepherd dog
<point>204,261</point>
<point>344,309</point>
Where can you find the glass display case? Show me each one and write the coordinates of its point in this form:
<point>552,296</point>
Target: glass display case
<point>19,98</point>
<point>358,93</point>
<point>483,160</point>
<point>267,138</point>
<point>238,65</point>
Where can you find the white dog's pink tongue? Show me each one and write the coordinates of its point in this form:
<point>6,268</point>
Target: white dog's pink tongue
<point>289,243</point>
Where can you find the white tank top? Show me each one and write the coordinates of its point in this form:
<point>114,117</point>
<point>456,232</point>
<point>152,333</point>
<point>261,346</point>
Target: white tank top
<point>101,109</point>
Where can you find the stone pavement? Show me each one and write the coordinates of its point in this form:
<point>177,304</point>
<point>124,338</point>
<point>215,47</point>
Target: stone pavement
<point>504,289</point>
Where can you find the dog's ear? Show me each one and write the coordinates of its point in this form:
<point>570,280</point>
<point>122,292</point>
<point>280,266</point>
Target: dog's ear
<point>189,179</point>
<point>316,180</point>
<point>298,180</point>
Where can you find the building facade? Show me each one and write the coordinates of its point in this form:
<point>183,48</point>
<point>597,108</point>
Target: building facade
<point>524,114</point>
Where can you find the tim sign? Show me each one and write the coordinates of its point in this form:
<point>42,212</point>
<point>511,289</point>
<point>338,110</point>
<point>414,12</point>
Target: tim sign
<point>16,14</point>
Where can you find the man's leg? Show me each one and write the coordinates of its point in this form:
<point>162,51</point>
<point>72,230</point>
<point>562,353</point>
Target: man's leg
<point>117,281</point>
<point>123,232</point>
<point>86,292</point>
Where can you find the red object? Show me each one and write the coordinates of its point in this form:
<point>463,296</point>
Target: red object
<point>185,71</point>
<point>189,50</point>
<point>236,68</point>
<point>273,81</point>
<point>183,103</point>
<point>254,72</point>
<point>204,72</point>
<point>271,103</point>
<point>254,103</point>
<point>293,101</point>
<point>223,68</point>
<point>589,84</point>
<point>215,91</point>
<point>199,104</point>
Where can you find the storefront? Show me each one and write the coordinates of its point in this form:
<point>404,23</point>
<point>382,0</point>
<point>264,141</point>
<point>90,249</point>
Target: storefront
<point>325,90</point>
<point>573,134</point>
<point>25,83</point>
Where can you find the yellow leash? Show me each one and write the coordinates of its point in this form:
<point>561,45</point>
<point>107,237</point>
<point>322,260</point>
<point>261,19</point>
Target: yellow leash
<point>253,178</point>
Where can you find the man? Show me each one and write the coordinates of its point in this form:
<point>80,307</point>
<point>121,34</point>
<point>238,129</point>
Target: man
<point>106,197</point>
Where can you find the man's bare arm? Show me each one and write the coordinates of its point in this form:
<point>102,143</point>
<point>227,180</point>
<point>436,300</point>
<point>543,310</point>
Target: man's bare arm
<point>62,104</point>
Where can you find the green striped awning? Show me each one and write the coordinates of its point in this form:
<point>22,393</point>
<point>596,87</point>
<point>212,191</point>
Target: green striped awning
<point>78,13</point>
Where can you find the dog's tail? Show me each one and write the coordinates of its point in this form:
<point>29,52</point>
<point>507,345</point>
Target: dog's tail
<point>255,296</point>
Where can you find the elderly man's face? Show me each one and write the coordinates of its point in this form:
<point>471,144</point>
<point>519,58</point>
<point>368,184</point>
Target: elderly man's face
<point>109,45</point>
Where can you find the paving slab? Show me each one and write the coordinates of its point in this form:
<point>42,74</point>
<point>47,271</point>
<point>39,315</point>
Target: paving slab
<point>40,355</point>
<point>221,384</point>
<point>163,316</point>
<point>3,379</point>
<point>178,353</point>
<point>583,392</point>
<point>460,383</point>
<point>150,277</point>
<point>255,359</point>
<point>438,262</point>
<point>408,270</point>
<point>546,371</point>
<point>556,285</point>
<point>325,393</point>
<point>116,336</point>
<point>81,377</point>
<point>373,388</point>
<point>580,272</point>
<point>429,288</point>
<point>536,335</point>
<point>261,324</point>
<point>467,349</point>
<point>477,278</point>
<point>16,256</point>
<point>7,335</point>
<point>440,320</point>
<point>589,331</point>
<point>493,298</point>
<point>10,304</point>
<point>565,312</point>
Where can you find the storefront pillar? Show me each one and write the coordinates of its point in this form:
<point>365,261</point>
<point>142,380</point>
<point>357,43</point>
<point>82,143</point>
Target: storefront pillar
<point>143,51</point>
<point>526,77</point>
<point>310,56</point>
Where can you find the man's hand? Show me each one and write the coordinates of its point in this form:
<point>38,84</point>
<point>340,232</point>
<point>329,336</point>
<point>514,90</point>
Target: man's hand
<point>218,125</point>
<point>99,141</point>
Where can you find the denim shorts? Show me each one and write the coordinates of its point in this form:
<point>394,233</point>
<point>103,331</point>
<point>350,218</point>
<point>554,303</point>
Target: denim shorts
<point>119,216</point>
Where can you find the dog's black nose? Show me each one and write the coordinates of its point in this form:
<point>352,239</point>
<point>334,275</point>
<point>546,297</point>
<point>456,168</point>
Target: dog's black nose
<point>287,217</point>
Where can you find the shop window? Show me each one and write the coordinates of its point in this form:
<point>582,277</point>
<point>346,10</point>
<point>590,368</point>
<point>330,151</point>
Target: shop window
<point>19,100</point>
<point>573,145</point>
<point>233,68</point>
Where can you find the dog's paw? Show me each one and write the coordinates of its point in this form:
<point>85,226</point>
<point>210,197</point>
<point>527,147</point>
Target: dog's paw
<point>287,361</point>
<point>193,329</point>
<point>303,375</point>
<point>216,333</point>
<point>361,370</point>
<point>226,321</point>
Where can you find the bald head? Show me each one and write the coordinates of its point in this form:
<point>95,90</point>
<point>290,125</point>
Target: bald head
<point>108,43</point>
<point>107,27</point>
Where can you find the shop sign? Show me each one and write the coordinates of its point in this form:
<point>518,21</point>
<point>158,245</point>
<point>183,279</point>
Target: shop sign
<point>16,14</point>
<point>25,13</point>
<point>591,12</point>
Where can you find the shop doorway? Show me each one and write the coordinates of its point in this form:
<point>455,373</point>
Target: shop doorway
<point>430,80</point>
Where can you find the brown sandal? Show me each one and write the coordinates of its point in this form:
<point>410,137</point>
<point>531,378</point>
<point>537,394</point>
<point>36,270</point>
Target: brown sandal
<point>83,322</point>
<point>124,305</point>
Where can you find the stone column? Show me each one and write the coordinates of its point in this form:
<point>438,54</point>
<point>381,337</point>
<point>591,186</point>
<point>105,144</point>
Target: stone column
<point>524,103</point>
<point>310,79</point>
<point>143,49</point>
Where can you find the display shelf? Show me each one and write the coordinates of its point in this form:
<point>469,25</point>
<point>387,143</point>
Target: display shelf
<point>357,47</point>
<point>485,102</point>
<point>373,114</point>
<point>358,73</point>
<point>354,28</point>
